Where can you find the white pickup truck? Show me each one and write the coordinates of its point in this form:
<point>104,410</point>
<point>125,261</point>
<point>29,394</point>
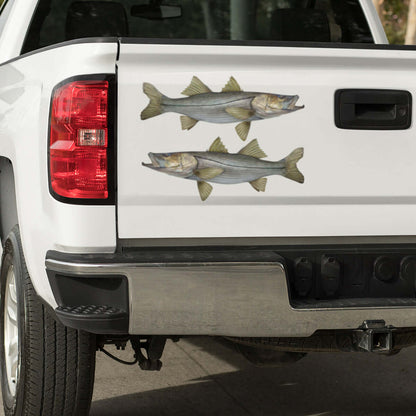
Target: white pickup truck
<point>242,169</point>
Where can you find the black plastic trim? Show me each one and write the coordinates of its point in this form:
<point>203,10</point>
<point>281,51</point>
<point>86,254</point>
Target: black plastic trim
<point>112,145</point>
<point>225,243</point>
<point>74,292</point>
<point>101,324</point>
<point>383,109</point>
<point>180,255</point>
<point>232,253</point>
<point>355,303</point>
<point>115,179</point>
<point>3,6</point>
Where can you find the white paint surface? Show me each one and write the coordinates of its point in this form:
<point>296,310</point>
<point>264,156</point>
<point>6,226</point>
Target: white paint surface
<point>357,182</point>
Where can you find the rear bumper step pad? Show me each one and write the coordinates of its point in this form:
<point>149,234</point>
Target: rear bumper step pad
<point>101,319</point>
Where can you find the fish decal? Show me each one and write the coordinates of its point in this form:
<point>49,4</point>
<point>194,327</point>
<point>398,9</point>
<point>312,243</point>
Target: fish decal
<point>232,105</point>
<point>218,166</point>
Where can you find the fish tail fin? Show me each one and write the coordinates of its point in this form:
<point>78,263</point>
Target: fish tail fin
<point>292,171</point>
<point>155,105</point>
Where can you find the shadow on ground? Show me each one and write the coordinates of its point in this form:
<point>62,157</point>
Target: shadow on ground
<point>320,384</point>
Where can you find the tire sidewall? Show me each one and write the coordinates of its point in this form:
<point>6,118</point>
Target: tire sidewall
<point>12,256</point>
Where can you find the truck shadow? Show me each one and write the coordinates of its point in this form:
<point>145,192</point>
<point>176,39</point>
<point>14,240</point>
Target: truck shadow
<point>270,393</point>
<point>318,385</point>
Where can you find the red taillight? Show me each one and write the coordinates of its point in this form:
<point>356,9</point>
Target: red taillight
<point>79,140</point>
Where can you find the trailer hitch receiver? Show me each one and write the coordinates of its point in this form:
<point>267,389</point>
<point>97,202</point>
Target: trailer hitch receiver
<point>374,336</point>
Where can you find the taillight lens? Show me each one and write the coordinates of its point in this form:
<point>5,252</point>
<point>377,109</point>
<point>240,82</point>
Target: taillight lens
<point>79,140</point>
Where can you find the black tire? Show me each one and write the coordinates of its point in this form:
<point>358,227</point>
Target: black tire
<point>56,364</point>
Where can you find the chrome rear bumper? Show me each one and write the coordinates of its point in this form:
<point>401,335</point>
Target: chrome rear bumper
<point>241,299</point>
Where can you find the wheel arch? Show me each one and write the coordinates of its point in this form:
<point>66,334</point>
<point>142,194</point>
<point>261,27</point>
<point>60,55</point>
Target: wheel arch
<point>8,204</point>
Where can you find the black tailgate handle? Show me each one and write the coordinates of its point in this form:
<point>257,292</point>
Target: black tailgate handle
<point>360,109</point>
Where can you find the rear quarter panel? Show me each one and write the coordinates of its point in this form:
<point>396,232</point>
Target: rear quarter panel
<point>26,85</point>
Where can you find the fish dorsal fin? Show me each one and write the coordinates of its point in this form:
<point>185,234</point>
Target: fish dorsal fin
<point>196,87</point>
<point>204,190</point>
<point>232,86</point>
<point>218,146</point>
<point>208,173</point>
<point>259,184</point>
<point>253,150</point>
<point>240,113</point>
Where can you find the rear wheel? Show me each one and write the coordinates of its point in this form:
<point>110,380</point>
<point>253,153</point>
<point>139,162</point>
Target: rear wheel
<point>47,369</point>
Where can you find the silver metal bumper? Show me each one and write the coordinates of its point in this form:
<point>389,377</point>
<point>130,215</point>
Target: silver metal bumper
<point>230,299</point>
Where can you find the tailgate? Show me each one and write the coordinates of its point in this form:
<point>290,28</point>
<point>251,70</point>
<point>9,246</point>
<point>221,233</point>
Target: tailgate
<point>356,181</point>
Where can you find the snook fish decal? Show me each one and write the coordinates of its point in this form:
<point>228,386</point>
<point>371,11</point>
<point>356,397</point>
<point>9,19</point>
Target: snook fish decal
<point>229,106</point>
<point>218,166</point>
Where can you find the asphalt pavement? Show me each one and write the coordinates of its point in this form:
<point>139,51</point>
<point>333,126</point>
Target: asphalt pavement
<point>202,377</point>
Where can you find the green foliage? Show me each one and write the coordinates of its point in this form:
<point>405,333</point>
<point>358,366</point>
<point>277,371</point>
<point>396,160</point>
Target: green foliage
<point>395,20</point>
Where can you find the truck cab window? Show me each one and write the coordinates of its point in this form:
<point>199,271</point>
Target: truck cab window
<point>240,20</point>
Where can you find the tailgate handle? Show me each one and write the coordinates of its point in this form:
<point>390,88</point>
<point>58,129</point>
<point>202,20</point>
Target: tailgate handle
<point>358,109</point>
